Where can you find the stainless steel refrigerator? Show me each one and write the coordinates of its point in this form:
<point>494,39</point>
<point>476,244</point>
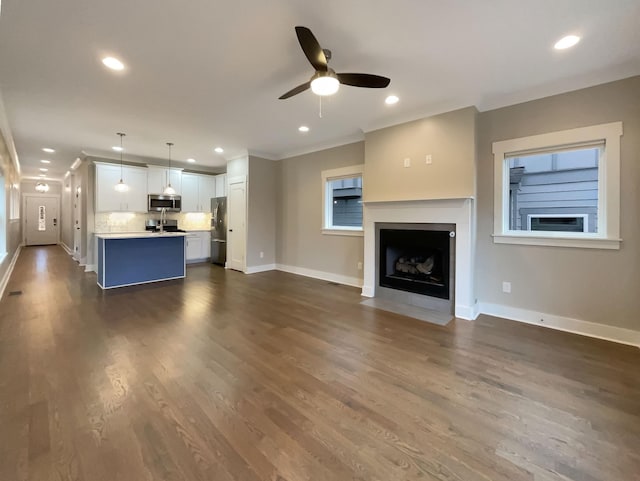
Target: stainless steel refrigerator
<point>219,230</point>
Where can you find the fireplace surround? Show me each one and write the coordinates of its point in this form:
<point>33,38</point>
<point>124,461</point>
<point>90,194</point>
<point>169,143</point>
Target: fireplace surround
<point>457,215</point>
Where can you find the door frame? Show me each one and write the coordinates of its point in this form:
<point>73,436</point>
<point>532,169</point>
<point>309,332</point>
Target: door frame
<point>239,179</point>
<point>24,216</point>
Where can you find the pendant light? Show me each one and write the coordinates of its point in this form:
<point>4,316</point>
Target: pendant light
<point>121,186</point>
<point>168,190</point>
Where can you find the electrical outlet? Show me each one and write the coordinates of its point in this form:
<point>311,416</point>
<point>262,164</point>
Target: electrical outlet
<point>506,287</point>
<point>261,255</point>
<point>359,266</point>
<point>407,162</point>
<point>428,159</point>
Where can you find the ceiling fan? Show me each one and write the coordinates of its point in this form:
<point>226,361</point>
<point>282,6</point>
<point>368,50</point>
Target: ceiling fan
<point>326,81</point>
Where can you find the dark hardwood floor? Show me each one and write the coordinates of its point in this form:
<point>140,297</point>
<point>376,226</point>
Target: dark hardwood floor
<point>225,376</point>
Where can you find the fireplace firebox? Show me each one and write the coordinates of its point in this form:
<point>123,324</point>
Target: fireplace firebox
<point>416,258</point>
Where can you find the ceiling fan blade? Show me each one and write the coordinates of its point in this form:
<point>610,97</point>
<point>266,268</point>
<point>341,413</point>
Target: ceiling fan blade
<point>311,48</point>
<point>364,80</point>
<point>295,91</point>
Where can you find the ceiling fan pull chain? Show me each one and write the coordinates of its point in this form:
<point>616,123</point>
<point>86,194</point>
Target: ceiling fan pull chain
<point>320,105</point>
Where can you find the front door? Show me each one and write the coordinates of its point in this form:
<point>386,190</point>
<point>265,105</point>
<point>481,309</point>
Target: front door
<point>42,221</point>
<point>236,241</point>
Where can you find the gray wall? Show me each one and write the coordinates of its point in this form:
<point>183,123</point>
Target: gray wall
<point>261,215</point>
<point>449,138</point>
<point>13,231</point>
<point>66,214</point>
<point>300,241</point>
<point>589,284</point>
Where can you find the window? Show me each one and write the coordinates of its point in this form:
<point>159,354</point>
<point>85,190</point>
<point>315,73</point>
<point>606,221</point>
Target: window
<point>560,188</point>
<point>342,201</point>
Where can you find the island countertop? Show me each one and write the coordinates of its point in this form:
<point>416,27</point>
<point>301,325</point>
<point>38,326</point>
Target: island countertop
<point>139,235</point>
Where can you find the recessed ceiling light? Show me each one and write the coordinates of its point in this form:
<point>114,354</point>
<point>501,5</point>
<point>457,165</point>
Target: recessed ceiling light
<point>391,99</point>
<point>219,150</point>
<point>45,161</point>
<point>113,63</point>
<point>48,150</point>
<point>566,42</point>
<point>42,169</point>
<point>303,128</point>
<point>117,148</point>
<point>191,161</point>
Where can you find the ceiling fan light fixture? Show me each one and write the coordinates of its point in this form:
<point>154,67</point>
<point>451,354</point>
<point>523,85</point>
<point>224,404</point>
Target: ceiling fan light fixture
<point>325,84</point>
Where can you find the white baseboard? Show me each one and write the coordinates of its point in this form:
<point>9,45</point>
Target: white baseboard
<point>66,248</point>
<point>576,326</point>
<point>325,276</point>
<point>7,275</point>
<point>468,313</point>
<point>256,269</point>
<point>90,268</point>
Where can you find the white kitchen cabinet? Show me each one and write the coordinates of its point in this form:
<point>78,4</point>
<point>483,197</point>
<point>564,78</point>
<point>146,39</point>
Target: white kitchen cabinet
<point>198,246</point>
<point>158,177</point>
<point>221,185</point>
<point>190,200</point>
<point>194,247</point>
<point>197,191</point>
<point>107,199</point>
<point>206,192</point>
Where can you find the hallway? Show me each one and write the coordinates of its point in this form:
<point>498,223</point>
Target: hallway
<point>225,376</point>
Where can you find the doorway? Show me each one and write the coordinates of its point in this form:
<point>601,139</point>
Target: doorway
<point>41,220</point>
<point>237,215</point>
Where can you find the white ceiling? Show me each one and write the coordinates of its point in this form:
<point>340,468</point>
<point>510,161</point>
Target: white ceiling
<point>203,73</point>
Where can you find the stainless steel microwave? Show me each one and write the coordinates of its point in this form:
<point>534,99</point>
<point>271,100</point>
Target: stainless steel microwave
<point>171,203</point>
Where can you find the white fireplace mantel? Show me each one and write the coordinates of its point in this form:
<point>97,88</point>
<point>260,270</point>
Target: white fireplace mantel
<point>458,211</point>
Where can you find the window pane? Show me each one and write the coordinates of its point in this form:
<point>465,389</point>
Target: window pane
<point>554,191</point>
<point>345,197</point>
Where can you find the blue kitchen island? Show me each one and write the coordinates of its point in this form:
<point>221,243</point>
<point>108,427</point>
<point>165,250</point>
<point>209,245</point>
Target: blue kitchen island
<point>129,259</point>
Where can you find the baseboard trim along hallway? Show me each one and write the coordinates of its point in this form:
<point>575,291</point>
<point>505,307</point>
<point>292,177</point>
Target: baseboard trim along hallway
<point>7,275</point>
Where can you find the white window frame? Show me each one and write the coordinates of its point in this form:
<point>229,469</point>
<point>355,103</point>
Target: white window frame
<point>608,235</point>
<point>327,221</point>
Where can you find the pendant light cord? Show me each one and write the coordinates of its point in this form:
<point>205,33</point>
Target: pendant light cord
<point>169,171</point>
<point>121,149</point>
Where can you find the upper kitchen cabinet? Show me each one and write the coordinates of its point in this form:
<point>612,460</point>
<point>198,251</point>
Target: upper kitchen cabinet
<point>110,200</point>
<point>159,177</point>
<point>221,185</point>
<point>197,192</point>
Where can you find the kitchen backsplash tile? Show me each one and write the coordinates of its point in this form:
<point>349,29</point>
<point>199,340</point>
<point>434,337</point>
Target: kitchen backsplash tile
<point>131,222</point>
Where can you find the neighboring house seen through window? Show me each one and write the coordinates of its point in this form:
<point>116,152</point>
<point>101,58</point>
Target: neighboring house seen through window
<point>342,201</point>
<point>555,191</point>
<point>559,189</point>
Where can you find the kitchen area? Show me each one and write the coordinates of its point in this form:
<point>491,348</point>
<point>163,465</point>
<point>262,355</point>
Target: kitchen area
<point>144,234</point>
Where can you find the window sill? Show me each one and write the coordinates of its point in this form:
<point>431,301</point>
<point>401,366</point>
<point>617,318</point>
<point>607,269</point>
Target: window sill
<point>347,232</point>
<point>582,242</point>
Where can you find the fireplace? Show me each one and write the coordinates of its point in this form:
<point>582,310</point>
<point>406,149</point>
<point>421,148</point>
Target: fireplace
<point>455,214</point>
<point>416,258</point>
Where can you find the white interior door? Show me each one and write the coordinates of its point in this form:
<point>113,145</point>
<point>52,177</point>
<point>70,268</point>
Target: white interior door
<point>42,220</point>
<point>237,235</point>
